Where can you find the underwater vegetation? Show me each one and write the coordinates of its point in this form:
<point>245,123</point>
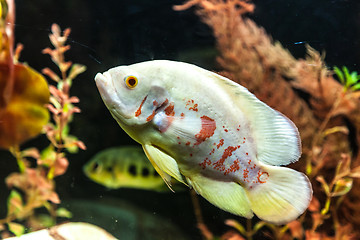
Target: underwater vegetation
<point>322,101</point>
<point>328,119</point>
<point>26,100</point>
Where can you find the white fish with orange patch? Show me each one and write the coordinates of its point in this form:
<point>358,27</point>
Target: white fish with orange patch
<point>212,134</point>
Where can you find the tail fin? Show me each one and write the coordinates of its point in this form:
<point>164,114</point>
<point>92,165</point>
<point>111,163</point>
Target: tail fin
<point>285,195</point>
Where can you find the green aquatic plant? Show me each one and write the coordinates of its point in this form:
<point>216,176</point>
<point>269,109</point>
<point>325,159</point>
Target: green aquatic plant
<point>349,80</point>
<point>33,187</point>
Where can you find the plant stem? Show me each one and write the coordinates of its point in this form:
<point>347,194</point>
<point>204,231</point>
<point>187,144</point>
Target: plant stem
<point>15,151</point>
<point>319,134</point>
<point>249,232</point>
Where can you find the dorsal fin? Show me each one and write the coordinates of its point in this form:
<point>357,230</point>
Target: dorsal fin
<point>277,138</point>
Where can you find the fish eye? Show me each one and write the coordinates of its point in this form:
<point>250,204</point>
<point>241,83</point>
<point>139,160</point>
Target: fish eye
<point>109,169</point>
<point>131,81</point>
<point>145,172</point>
<point>132,170</point>
<point>94,167</point>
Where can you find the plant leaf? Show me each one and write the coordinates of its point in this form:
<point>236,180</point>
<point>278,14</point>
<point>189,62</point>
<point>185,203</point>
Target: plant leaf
<point>355,87</point>
<point>14,203</point>
<point>353,78</point>
<point>343,167</point>
<point>347,75</point>
<point>259,225</point>
<point>16,228</point>
<point>324,185</point>
<point>25,114</point>
<point>342,187</point>
<point>76,69</point>
<point>355,172</point>
<point>235,224</point>
<point>339,74</point>
<point>63,212</point>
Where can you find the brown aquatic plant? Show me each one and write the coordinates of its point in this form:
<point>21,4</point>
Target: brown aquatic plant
<point>249,56</point>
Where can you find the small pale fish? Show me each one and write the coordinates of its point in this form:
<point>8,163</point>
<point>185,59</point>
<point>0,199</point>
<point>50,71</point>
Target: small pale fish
<point>211,134</point>
<point>123,167</point>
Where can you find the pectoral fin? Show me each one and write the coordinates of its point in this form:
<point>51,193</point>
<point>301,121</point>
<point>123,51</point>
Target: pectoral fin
<point>164,164</point>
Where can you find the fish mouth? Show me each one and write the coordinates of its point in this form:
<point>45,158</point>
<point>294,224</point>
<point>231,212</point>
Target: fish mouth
<point>109,95</point>
<point>105,87</point>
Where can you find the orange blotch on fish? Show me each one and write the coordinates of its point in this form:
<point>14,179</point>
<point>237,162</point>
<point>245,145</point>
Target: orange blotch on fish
<point>165,102</point>
<point>169,110</point>
<point>192,105</point>
<point>233,168</point>
<point>189,102</point>
<point>219,165</point>
<point>208,127</point>
<point>205,163</point>
<point>149,118</point>
<point>187,143</point>
<point>220,143</point>
<point>262,177</point>
<point>246,174</point>
<point>138,111</point>
<point>194,108</point>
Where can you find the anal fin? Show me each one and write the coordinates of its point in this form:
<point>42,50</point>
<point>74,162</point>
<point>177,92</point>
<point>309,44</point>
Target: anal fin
<point>228,196</point>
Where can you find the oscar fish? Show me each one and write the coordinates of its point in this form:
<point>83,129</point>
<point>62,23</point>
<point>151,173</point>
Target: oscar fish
<point>123,167</point>
<point>211,134</point>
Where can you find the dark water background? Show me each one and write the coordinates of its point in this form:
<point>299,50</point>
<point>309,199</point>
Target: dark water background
<point>112,32</point>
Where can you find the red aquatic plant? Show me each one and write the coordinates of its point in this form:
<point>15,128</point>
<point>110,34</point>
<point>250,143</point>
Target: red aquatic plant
<point>25,100</point>
<point>250,57</point>
<point>23,91</point>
